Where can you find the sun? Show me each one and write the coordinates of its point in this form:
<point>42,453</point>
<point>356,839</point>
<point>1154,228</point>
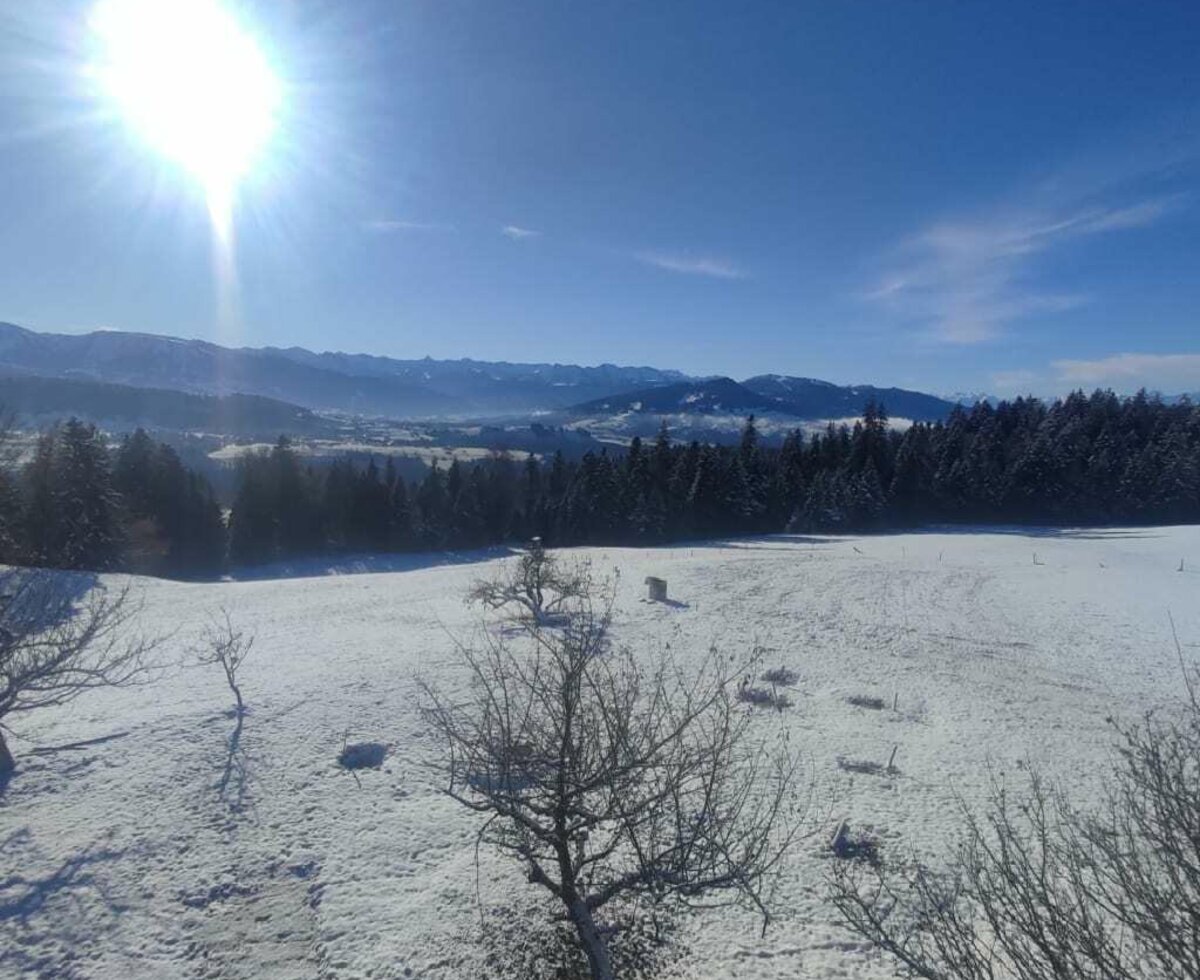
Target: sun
<point>192,83</point>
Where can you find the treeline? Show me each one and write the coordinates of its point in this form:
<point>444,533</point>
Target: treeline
<point>76,504</point>
<point>1082,460</point>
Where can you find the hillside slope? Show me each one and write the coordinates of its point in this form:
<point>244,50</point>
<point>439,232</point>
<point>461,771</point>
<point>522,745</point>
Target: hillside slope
<point>38,401</point>
<point>126,862</point>
<point>808,398</point>
<point>711,395</point>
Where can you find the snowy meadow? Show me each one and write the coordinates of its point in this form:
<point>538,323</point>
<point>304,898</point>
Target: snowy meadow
<point>136,840</point>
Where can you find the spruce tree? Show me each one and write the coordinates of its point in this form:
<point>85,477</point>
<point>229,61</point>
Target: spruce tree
<point>84,499</point>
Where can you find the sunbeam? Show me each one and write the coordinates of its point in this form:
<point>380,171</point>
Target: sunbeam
<point>195,87</point>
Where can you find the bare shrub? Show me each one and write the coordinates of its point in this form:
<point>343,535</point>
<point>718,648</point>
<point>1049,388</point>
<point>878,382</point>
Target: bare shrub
<point>538,587</point>
<point>362,755</point>
<point>861,846</point>
<point>55,646</point>
<point>780,677</point>
<point>227,647</point>
<point>1037,888</point>
<point>613,779</point>
<point>762,697</point>
<point>864,767</point>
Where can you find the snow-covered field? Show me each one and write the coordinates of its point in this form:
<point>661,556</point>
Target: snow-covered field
<point>122,860</point>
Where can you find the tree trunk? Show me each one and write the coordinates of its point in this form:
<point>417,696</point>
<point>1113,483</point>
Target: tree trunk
<point>8,764</point>
<point>589,937</point>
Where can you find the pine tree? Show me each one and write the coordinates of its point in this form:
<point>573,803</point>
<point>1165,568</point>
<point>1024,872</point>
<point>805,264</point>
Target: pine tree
<point>370,510</point>
<point>41,531</point>
<point>297,529</point>
<point>498,499</point>
<point>134,477</point>
<point>252,522</point>
<point>401,533</point>
<point>84,500</point>
<point>433,504</point>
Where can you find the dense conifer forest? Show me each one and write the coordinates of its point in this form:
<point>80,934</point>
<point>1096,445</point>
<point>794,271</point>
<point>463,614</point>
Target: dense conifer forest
<point>1095,459</point>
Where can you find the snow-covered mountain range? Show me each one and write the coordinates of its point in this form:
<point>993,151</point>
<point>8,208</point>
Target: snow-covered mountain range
<point>364,384</point>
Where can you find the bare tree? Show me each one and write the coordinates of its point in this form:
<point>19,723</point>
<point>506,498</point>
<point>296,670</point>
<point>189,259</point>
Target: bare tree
<point>1040,889</point>
<point>612,778</point>
<point>55,647</point>
<point>538,586</point>
<point>227,647</point>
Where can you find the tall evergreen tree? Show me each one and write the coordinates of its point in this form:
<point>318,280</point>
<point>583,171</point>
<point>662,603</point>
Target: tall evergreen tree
<point>84,502</point>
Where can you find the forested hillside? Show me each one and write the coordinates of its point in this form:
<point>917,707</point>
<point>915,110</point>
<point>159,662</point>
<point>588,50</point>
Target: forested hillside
<point>35,399</point>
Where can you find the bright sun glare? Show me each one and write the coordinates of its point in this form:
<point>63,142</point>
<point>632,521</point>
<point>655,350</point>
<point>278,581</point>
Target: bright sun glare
<point>193,84</point>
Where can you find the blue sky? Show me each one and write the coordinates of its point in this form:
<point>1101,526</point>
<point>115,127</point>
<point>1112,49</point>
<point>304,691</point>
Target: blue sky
<point>950,196</point>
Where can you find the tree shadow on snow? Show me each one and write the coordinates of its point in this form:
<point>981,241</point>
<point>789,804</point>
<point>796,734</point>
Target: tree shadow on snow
<point>22,897</point>
<point>41,598</point>
<point>234,775</point>
<point>762,542</point>
<point>1098,533</point>
<point>669,603</point>
<point>368,564</point>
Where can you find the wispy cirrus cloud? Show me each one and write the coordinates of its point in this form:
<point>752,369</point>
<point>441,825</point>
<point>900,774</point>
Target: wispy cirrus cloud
<point>386,225</point>
<point>1166,372</point>
<point>1124,373</point>
<point>517,233</point>
<point>1018,381</point>
<point>691,265</point>
<point>964,280</point>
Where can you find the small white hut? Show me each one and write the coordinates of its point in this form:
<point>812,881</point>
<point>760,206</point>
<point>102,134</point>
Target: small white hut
<point>658,588</point>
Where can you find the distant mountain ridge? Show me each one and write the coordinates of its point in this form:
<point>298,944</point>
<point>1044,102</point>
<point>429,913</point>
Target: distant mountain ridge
<point>809,398</point>
<point>366,384</point>
<point>352,383</point>
<point>706,396</point>
<point>802,398</point>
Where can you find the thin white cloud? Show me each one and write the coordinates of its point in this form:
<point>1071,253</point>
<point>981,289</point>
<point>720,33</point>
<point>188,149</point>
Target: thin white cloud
<point>964,280</point>
<point>1019,381</point>
<point>517,233</point>
<point>1125,372</point>
<point>386,225</point>
<point>691,265</point>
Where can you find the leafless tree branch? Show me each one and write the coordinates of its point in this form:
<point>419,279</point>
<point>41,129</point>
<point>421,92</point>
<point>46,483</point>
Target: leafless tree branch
<point>538,587</point>
<point>608,776</point>
<point>1038,888</point>
<point>54,648</point>
<point>227,647</point>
